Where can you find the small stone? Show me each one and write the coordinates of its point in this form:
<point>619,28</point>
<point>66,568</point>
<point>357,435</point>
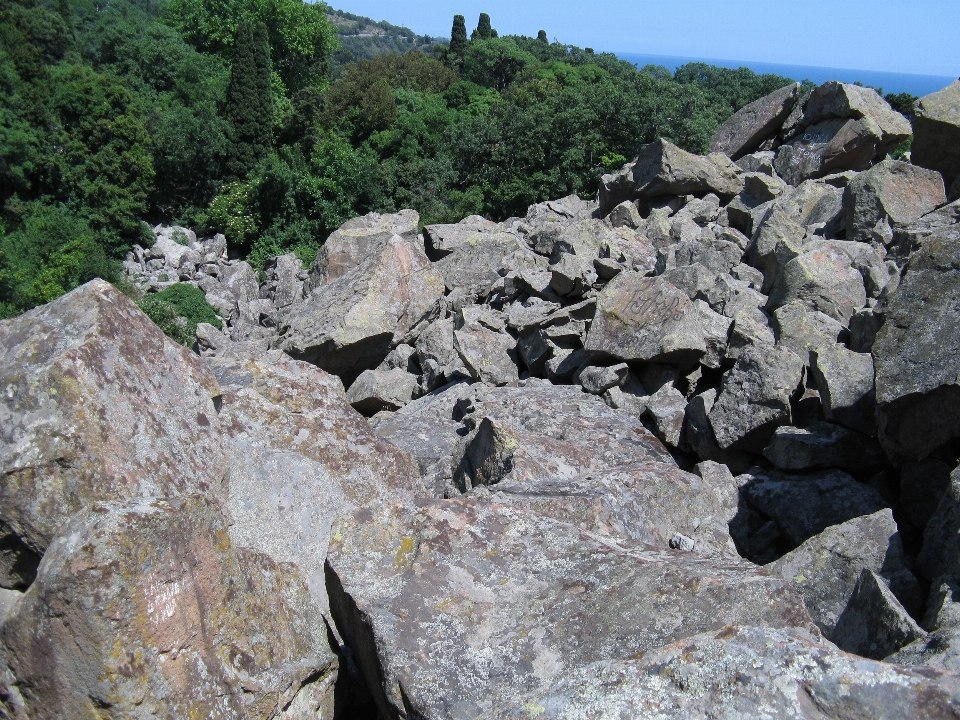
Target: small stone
<point>682,542</point>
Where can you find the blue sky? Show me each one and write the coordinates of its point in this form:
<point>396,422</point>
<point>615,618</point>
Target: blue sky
<point>911,36</point>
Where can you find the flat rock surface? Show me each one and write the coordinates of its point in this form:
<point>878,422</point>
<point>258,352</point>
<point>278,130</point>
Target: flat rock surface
<point>473,604</point>
<point>300,457</point>
<point>743,672</point>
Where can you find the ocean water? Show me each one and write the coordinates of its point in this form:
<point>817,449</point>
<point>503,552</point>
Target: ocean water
<point>919,85</point>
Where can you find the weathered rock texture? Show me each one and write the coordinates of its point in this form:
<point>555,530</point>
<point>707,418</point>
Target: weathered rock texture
<point>460,607</point>
<point>147,608</point>
<point>97,405</point>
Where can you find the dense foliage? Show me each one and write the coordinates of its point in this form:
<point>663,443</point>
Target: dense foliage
<point>226,115</point>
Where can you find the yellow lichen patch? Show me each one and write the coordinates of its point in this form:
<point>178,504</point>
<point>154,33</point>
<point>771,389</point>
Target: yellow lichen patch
<point>404,557</point>
<point>534,710</point>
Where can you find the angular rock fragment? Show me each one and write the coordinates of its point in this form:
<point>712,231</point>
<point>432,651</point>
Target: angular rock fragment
<point>300,457</point>
<point>351,321</point>
<point>943,605</point>
<point>843,100</point>
<point>487,355</point>
<point>747,128</point>
<point>473,267</point>
<point>597,380</point>
<point>824,279</point>
<point>509,602</point>
<point>354,241</point>
<point>825,569</point>
<point>98,404</point>
<point>829,146</point>
<point>428,430</point>
<point>650,502</point>
<point>845,381</point>
<point>888,196</point>
<point>874,623</point>
<point>649,319</point>
<point>755,397</point>
<point>800,329</point>
<point>147,608</point>
<point>917,352</point>
<point>377,390</point>
<point>664,169</point>
<point>441,240</point>
<point>667,407</point>
<point>532,432</point>
<point>936,141</point>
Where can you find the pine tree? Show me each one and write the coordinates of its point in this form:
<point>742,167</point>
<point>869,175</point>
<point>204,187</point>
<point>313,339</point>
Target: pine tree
<point>458,36</point>
<point>250,100</point>
<point>542,36</point>
<point>483,31</point>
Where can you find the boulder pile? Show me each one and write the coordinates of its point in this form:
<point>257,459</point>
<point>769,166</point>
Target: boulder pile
<point>691,446</point>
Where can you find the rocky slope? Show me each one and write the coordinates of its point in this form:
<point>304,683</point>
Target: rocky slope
<point>687,451</point>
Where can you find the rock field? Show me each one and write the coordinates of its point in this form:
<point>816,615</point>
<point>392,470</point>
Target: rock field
<point>689,450</point>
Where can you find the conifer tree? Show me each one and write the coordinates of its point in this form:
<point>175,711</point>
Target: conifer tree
<point>250,100</point>
<point>542,36</point>
<point>483,31</point>
<point>458,36</point>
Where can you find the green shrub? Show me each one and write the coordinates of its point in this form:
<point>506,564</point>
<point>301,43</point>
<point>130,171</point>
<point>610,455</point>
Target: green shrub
<point>178,310</point>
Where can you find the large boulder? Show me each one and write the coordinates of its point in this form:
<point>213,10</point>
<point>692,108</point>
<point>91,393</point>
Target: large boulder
<point>460,606</point>
<point>827,147</point>
<point>662,169</point>
<point>650,319</point>
<point>300,457</point>
<point>822,276</point>
<point>838,127</point>
<point>825,569</point>
<point>917,352</point>
<point>355,240</point>
<point>146,608</point>
<point>888,196</point>
<point>936,128</point>
<point>548,432</point>
<point>874,623</point>
<point>743,672</point>
<point>845,382</point>
<point>747,128</point>
<point>755,397</point>
<point>351,321</point>
<point>843,100</point>
<point>98,404</point>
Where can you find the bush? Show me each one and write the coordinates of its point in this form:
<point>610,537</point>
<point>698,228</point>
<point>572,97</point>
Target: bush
<point>178,310</point>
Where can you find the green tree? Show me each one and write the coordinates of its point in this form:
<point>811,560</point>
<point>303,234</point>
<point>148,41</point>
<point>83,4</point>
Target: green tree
<point>494,63</point>
<point>483,31</point>
<point>903,103</point>
<point>542,36</point>
<point>250,101</point>
<point>458,36</point>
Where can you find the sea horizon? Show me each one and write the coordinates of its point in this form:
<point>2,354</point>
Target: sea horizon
<point>889,82</point>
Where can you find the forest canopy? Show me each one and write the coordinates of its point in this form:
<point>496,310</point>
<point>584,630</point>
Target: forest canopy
<point>118,116</point>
